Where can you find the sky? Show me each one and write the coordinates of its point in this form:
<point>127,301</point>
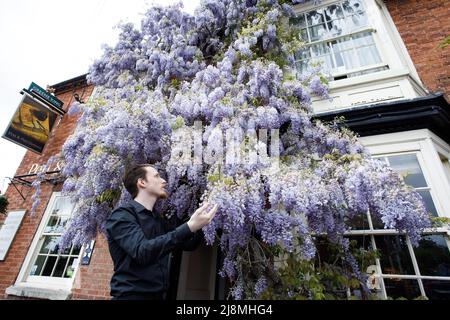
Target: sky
<point>50,41</point>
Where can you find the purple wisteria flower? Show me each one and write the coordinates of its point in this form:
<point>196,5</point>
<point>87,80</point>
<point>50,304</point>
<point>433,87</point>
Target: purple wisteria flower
<point>228,68</point>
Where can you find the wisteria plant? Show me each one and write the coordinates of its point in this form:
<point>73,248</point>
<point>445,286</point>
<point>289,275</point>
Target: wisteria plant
<point>182,91</point>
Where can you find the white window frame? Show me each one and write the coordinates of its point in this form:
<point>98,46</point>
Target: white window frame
<point>389,43</point>
<point>366,29</point>
<point>24,278</point>
<point>428,147</point>
<point>417,276</point>
<point>421,161</point>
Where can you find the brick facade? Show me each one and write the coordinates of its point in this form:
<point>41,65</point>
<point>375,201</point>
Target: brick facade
<point>92,281</point>
<point>423,24</point>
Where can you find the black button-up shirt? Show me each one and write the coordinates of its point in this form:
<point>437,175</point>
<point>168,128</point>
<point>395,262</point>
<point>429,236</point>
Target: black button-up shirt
<point>140,243</point>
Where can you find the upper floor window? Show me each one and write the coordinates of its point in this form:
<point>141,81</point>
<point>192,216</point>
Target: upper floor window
<point>341,38</point>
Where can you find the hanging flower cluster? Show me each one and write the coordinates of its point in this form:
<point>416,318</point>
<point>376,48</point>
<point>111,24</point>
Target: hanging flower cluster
<point>184,85</point>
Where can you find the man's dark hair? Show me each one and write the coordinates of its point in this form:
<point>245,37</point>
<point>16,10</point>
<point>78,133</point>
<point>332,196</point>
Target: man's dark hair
<point>132,176</point>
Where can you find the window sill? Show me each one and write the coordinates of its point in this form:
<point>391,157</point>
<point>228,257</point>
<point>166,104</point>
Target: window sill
<point>368,78</point>
<point>39,292</point>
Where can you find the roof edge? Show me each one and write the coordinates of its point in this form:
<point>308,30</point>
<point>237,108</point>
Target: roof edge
<point>70,84</point>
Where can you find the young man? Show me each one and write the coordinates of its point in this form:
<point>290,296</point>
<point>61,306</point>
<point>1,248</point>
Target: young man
<point>139,241</point>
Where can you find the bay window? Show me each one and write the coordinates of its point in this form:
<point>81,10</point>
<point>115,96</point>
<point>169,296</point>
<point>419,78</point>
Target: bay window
<point>405,271</point>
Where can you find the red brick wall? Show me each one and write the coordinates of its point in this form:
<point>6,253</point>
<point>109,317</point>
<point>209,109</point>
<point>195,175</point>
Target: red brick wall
<point>93,280</point>
<point>423,24</point>
<point>10,267</point>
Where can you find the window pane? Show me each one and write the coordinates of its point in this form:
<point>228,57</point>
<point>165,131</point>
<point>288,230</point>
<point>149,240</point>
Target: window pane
<point>333,12</point>
<point>433,256</point>
<point>342,44</point>
<point>60,267</point>
<point>358,222</point>
<point>299,21</point>
<point>37,266</point>
<point>348,7</point>
<point>327,62</point>
<point>356,21</point>
<point>376,221</point>
<point>302,66</point>
<point>352,7</point>
<point>367,56</point>
<point>405,288</point>
<point>344,55</point>
<point>70,268</point>
<point>318,32</point>
<point>322,54</point>
<point>303,54</point>
<point>408,166</point>
<point>355,16</point>
<point>63,206</point>
<point>315,17</point>
<point>429,204</point>
<point>395,258</point>
<point>62,224</point>
<point>359,243</point>
<point>340,66</point>
<point>326,253</point>
<point>49,266</point>
<point>336,27</point>
<point>437,290</point>
<point>363,39</point>
<point>76,251</point>
<point>51,225</point>
<point>49,244</point>
<point>346,60</point>
<point>304,35</point>
<point>320,49</point>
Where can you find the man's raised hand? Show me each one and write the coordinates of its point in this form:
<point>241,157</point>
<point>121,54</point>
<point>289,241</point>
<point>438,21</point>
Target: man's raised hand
<point>201,217</point>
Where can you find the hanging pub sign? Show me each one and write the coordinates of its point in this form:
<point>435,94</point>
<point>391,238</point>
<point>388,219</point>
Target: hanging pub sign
<point>34,119</point>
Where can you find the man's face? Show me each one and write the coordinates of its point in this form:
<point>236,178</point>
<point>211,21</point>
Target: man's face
<point>153,185</point>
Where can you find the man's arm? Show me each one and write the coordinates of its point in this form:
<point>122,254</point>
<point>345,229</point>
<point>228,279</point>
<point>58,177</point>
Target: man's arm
<point>123,228</point>
<point>193,242</point>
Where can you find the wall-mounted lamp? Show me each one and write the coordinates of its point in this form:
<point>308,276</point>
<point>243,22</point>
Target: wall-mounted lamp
<point>77,98</point>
